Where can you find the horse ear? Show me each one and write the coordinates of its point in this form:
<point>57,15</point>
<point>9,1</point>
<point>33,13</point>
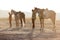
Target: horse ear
<point>13,10</point>
<point>35,7</point>
<point>9,13</point>
<point>32,10</point>
<point>19,11</point>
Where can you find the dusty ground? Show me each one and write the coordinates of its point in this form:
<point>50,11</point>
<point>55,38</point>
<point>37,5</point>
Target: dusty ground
<point>26,33</point>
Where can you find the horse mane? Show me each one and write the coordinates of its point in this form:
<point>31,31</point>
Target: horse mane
<point>13,10</point>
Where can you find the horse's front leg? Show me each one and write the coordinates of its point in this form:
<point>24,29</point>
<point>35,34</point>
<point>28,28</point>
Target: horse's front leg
<point>42,24</point>
<point>10,19</point>
<point>17,21</point>
<point>33,23</point>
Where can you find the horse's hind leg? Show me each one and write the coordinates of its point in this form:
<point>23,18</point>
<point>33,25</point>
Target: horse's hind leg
<point>53,20</point>
<point>24,21</point>
<point>21,22</point>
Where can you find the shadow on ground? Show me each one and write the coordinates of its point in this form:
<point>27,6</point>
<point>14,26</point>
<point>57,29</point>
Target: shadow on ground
<point>24,36</point>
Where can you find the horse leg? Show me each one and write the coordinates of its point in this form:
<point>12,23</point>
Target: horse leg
<point>10,19</point>
<point>53,20</point>
<point>24,21</point>
<point>21,22</point>
<point>42,24</point>
<point>10,22</point>
<point>17,21</point>
<point>33,23</point>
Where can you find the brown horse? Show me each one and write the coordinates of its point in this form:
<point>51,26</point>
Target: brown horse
<point>10,19</point>
<point>43,14</point>
<point>40,14</point>
<point>18,16</point>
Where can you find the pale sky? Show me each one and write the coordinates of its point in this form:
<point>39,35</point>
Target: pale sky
<point>28,5</point>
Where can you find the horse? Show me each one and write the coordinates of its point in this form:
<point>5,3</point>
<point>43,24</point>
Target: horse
<point>18,16</point>
<point>40,14</point>
<point>10,19</point>
<point>43,14</point>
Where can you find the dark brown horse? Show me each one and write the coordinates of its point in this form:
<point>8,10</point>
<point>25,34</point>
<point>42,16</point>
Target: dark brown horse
<point>10,19</point>
<point>40,14</point>
<point>18,16</point>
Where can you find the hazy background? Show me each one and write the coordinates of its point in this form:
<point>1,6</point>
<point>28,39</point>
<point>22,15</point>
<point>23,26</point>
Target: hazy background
<point>27,5</point>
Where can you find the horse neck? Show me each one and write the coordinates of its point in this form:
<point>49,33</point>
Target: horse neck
<point>14,12</point>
